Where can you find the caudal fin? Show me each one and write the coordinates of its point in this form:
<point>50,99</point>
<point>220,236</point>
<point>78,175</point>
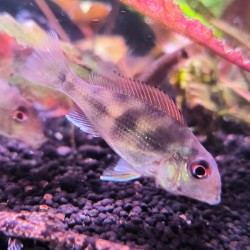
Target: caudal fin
<point>46,65</point>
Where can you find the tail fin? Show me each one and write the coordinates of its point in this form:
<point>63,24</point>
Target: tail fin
<point>47,65</point>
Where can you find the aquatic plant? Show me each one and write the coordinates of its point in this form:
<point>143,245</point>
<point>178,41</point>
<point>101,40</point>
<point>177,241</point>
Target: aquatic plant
<point>169,14</point>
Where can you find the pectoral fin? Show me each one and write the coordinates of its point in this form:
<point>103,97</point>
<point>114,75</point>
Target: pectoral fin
<point>78,118</point>
<point>120,173</point>
<point>14,244</point>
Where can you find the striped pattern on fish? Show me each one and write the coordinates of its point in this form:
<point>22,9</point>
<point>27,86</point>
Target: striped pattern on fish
<point>142,125</point>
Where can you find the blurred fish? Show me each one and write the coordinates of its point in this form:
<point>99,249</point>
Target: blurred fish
<point>19,119</point>
<point>140,123</point>
<point>48,102</point>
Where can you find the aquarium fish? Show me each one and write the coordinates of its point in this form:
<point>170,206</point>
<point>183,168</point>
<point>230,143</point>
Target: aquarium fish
<point>140,123</point>
<point>19,119</point>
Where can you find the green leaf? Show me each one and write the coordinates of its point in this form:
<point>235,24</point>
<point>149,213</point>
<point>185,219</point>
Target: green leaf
<point>28,33</point>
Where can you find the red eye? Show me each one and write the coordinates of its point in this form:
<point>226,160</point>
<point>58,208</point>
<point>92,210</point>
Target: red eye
<point>200,170</point>
<point>20,114</point>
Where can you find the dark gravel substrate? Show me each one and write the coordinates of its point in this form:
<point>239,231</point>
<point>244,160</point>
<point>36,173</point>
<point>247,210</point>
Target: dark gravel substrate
<point>136,213</point>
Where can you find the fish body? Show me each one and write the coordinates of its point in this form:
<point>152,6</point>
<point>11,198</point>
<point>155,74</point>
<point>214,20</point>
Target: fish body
<point>19,119</point>
<point>142,125</point>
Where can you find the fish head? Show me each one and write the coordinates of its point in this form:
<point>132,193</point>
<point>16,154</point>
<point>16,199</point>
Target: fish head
<point>26,125</point>
<point>200,179</point>
<point>194,175</point>
<point>19,119</point>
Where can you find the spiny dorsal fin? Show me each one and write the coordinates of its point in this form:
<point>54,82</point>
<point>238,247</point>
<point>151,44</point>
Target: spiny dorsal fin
<point>79,119</point>
<point>151,95</point>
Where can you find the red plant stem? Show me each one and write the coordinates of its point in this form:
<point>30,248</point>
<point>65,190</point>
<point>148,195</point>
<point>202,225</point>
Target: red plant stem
<point>52,19</point>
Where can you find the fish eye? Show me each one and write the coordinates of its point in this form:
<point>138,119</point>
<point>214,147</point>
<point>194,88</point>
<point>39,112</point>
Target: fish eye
<point>20,114</point>
<point>200,169</point>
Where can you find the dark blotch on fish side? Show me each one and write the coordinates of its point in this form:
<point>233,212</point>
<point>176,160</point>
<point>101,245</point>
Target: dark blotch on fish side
<point>62,77</point>
<point>100,108</point>
<point>126,122</point>
<point>158,139</point>
<point>121,97</point>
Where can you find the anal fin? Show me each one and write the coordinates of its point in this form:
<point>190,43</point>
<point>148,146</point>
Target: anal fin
<point>121,172</point>
<point>79,119</point>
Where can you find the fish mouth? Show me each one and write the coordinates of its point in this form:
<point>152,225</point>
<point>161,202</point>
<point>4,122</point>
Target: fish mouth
<point>213,201</point>
<point>209,200</point>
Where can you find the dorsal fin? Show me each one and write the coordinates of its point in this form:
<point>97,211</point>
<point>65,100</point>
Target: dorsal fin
<point>151,95</point>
